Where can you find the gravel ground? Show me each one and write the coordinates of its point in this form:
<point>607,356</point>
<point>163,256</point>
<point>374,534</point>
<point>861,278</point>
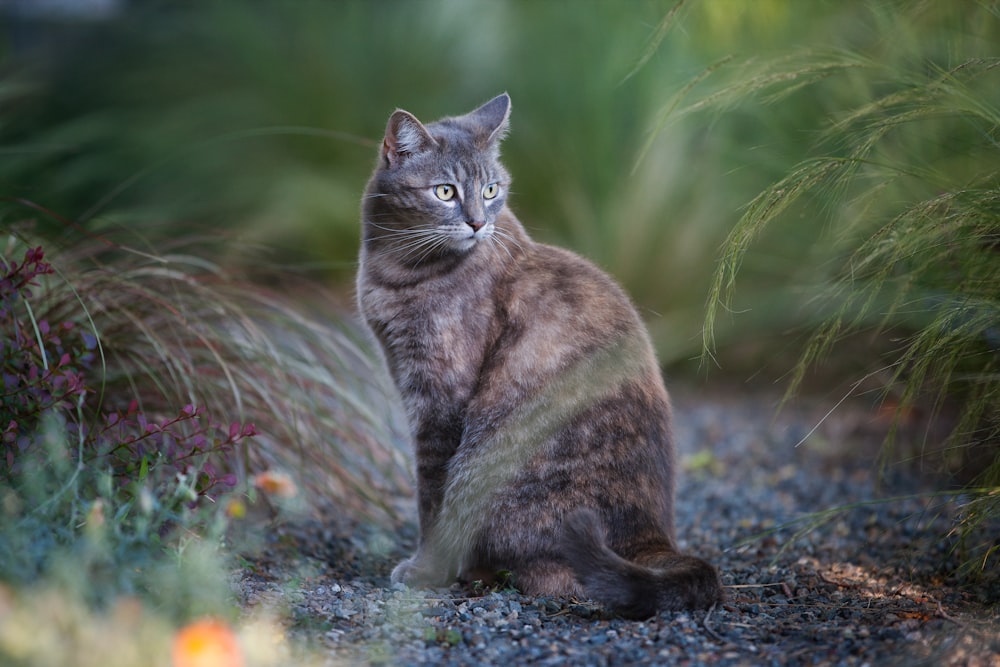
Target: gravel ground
<point>868,585</point>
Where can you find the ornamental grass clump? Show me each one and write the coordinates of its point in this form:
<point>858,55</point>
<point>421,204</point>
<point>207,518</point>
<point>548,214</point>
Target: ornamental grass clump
<point>89,481</point>
<point>144,393</point>
<point>905,179</point>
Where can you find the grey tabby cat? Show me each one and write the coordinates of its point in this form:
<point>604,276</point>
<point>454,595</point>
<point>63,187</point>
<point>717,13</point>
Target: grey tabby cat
<point>540,419</point>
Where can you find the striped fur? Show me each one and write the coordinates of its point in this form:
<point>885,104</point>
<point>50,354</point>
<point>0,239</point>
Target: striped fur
<point>540,421</point>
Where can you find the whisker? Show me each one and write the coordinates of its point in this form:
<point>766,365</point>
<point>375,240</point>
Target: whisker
<point>410,246</point>
<point>428,246</point>
<point>501,236</point>
<point>409,241</point>
<point>412,230</point>
<point>496,245</point>
<point>428,252</point>
<point>490,245</point>
<point>414,244</point>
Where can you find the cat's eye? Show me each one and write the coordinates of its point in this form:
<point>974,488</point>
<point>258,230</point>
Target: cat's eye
<point>491,191</point>
<point>444,192</point>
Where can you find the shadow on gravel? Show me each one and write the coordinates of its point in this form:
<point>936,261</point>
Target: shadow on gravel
<point>871,583</point>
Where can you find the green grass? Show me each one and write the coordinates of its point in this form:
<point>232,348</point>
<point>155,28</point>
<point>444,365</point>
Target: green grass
<point>177,329</point>
<point>906,180</point>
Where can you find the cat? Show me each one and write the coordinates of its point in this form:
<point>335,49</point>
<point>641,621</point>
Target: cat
<point>540,420</point>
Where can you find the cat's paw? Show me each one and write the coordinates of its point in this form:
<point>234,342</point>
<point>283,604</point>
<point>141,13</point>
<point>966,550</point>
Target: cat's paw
<point>415,572</point>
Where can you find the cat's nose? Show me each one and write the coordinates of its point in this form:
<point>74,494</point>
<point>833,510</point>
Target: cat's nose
<point>476,224</point>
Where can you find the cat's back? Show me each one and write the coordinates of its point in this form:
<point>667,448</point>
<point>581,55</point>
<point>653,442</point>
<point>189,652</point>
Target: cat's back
<point>557,288</point>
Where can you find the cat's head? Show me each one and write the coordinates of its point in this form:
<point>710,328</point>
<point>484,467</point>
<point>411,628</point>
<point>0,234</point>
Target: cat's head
<point>438,188</point>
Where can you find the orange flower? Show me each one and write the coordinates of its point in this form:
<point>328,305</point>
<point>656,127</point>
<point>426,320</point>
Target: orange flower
<point>207,643</point>
<point>275,484</point>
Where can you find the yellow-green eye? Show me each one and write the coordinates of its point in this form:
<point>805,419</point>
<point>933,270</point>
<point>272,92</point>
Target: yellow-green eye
<point>444,192</point>
<point>491,191</point>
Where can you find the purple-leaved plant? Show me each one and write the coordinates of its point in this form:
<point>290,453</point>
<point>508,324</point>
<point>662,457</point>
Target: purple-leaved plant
<point>48,372</point>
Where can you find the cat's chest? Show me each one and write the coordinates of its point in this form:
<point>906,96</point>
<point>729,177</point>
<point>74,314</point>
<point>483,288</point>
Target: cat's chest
<point>432,338</point>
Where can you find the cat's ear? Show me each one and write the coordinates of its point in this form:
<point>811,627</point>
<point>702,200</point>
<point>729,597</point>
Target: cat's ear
<point>494,118</point>
<point>404,136</point>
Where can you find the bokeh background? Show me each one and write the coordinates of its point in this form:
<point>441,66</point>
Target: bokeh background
<point>259,120</point>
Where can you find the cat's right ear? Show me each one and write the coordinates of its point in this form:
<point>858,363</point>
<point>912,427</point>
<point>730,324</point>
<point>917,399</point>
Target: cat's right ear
<point>404,136</point>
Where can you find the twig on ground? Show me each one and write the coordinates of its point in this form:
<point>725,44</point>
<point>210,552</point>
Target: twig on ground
<point>834,582</point>
<point>946,616</point>
<point>708,628</point>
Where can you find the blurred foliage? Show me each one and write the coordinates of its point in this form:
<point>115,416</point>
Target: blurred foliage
<point>904,183</point>
<point>53,627</point>
<point>116,476</point>
<point>92,496</point>
<point>262,119</point>
<point>640,130</point>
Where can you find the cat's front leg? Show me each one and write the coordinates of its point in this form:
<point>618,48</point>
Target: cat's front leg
<point>423,568</point>
<point>419,571</point>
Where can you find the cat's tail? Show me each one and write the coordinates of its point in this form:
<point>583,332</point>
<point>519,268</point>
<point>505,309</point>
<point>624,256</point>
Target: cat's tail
<point>659,579</point>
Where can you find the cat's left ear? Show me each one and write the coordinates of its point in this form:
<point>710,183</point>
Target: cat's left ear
<point>494,118</point>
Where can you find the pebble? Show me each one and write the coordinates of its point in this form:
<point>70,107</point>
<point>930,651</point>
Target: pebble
<point>875,585</point>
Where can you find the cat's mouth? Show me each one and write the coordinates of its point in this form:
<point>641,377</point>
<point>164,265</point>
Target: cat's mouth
<point>467,238</point>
